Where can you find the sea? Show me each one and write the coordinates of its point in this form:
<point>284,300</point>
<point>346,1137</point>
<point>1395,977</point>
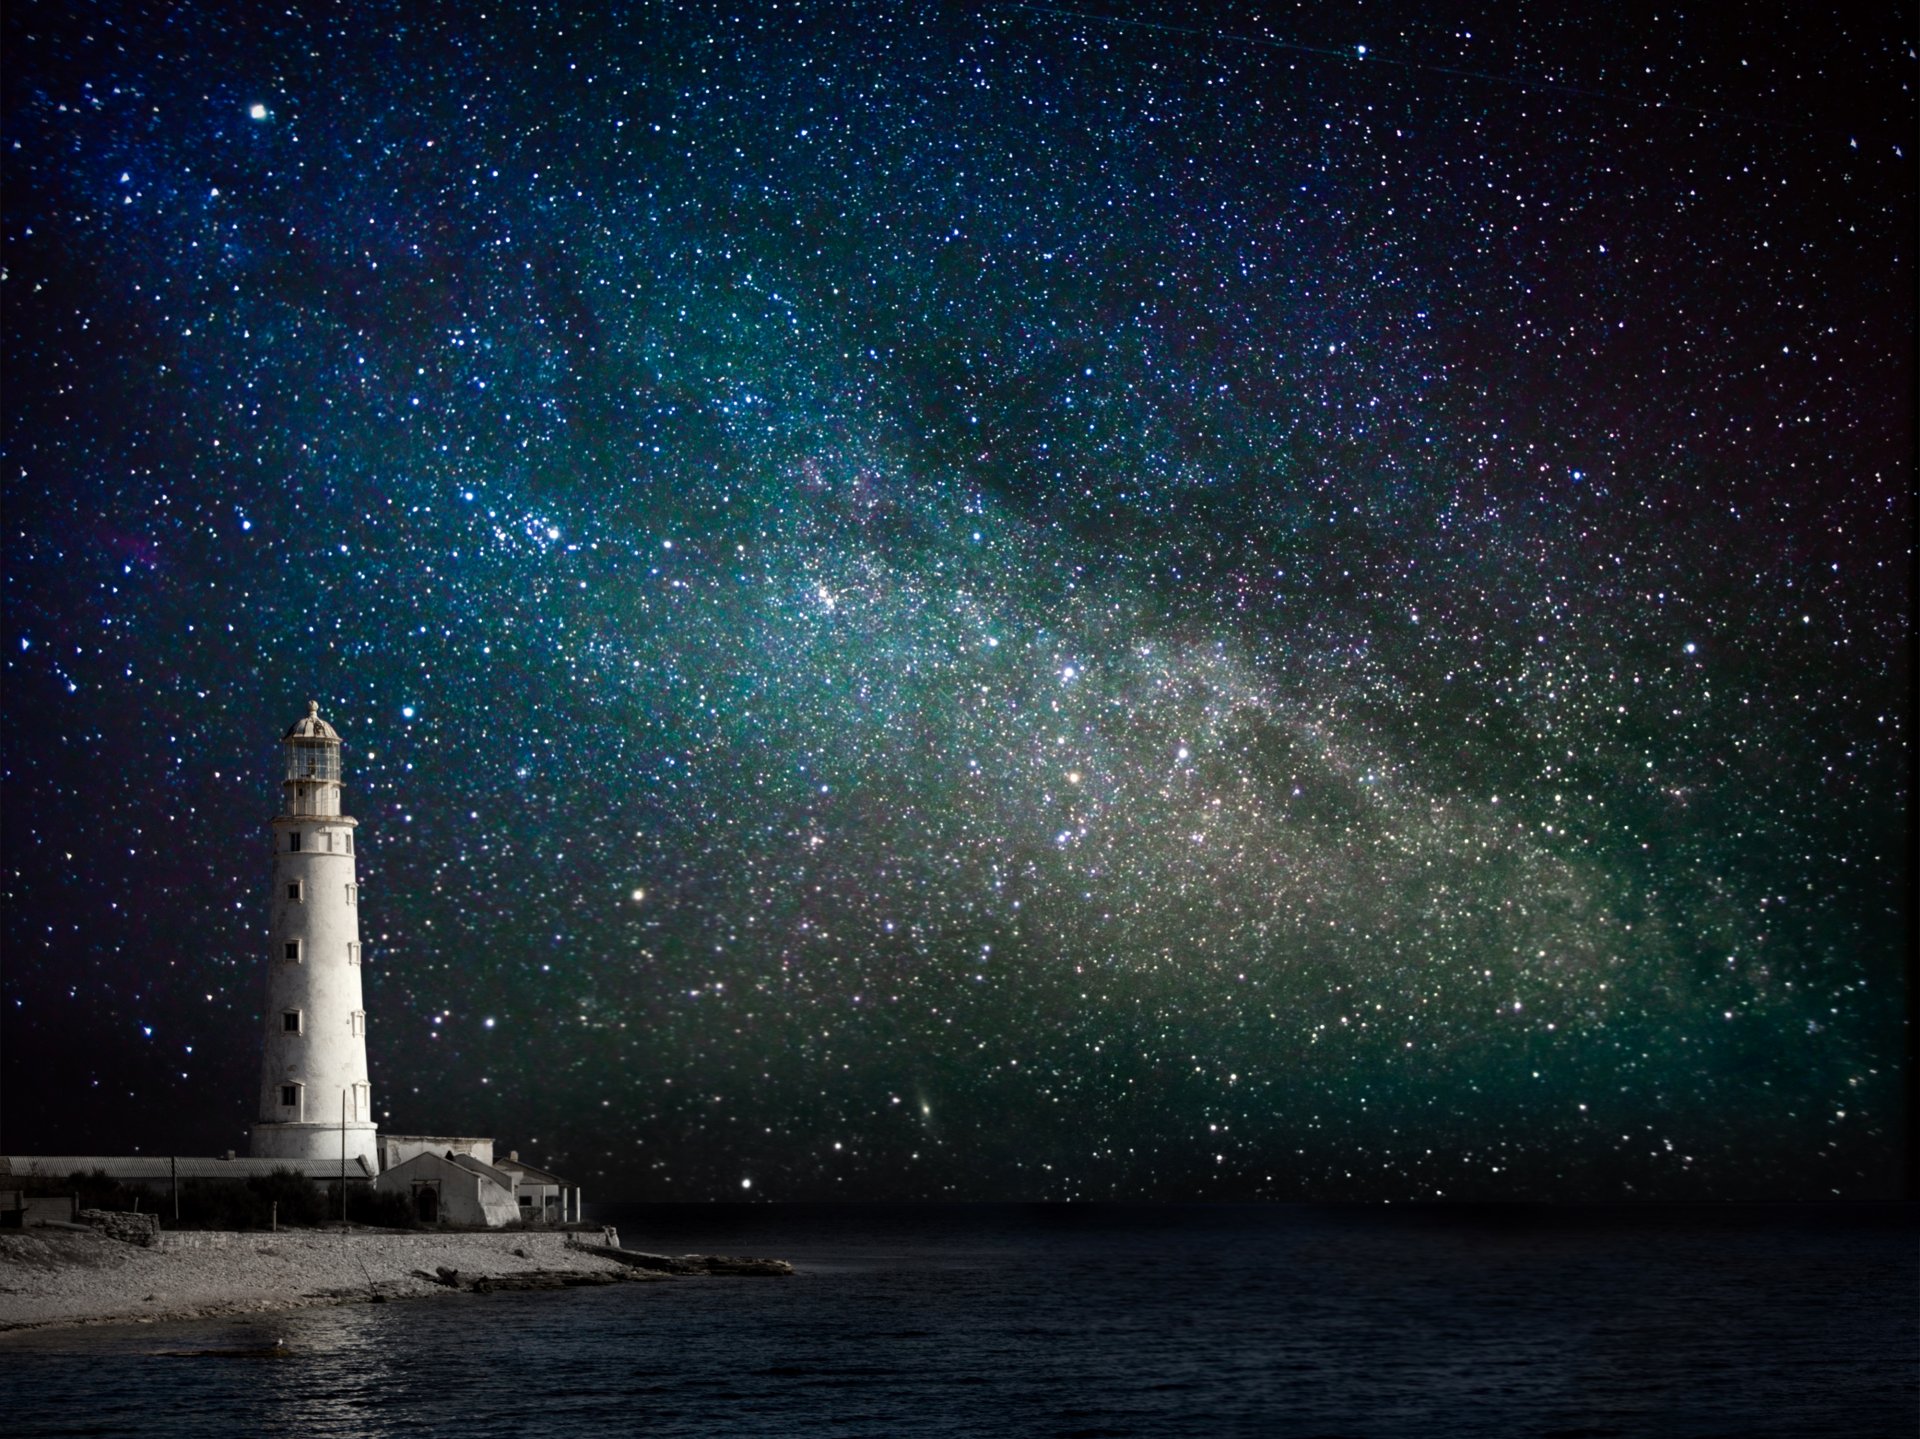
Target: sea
<point>1079,1320</point>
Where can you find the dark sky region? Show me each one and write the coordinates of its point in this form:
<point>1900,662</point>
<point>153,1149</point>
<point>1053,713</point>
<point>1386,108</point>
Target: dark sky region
<point>1016,605</point>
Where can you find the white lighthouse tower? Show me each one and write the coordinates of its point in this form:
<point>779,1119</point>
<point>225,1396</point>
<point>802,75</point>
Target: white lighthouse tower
<point>314,1095</point>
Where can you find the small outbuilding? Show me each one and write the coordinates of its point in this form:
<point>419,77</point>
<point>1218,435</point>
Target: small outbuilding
<point>543,1198</point>
<point>452,1189</point>
<point>531,1195</point>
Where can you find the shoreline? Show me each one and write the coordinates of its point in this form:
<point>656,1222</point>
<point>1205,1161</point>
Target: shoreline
<point>59,1277</point>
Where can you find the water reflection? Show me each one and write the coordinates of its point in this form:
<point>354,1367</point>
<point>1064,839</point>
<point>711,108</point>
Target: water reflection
<point>341,1381</point>
<point>994,1323</point>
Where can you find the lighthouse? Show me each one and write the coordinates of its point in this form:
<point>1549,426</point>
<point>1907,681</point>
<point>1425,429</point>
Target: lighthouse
<point>315,1102</point>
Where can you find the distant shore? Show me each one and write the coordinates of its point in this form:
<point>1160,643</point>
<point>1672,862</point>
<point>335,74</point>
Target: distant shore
<point>62,1276</point>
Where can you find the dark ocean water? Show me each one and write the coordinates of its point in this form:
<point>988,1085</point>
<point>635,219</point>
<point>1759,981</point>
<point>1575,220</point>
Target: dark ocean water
<point>1010,1320</point>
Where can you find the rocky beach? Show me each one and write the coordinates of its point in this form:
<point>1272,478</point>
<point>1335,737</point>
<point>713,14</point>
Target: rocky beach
<point>59,1275</point>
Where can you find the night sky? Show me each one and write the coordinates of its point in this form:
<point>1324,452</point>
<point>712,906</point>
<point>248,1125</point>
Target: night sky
<point>1309,603</point>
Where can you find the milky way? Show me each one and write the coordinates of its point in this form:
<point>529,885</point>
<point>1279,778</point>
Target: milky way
<point>1026,606</point>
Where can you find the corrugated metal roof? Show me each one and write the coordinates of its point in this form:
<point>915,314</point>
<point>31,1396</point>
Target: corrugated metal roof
<point>146,1167</point>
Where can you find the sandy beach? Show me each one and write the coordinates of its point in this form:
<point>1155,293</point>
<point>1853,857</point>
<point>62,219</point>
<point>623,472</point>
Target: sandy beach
<point>68,1276</point>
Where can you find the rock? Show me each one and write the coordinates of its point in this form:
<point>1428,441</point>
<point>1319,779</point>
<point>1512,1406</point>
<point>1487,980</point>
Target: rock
<point>632,1258</point>
<point>130,1228</point>
<point>276,1350</point>
<point>542,1279</point>
<point>734,1267</point>
<point>688,1264</point>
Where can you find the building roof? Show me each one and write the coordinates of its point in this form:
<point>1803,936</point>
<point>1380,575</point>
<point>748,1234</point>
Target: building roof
<point>429,1161</point>
<point>313,727</point>
<point>468,1162</point>
<point>148,1167</point>
<point>538,1176</point>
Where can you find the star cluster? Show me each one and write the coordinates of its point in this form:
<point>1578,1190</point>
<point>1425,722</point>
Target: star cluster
<point>1053,604</point>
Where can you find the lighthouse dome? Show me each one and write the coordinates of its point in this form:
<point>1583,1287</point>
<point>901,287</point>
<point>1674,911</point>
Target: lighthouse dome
<point>313,727</point>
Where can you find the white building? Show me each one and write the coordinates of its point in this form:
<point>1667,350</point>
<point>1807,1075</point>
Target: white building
<point>454,1179</point>
<point>543,1198</point>
<point>452,1188</point>
<point>315,1101</point>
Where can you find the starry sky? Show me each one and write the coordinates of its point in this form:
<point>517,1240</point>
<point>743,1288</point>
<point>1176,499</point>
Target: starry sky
<point>1040,603</point>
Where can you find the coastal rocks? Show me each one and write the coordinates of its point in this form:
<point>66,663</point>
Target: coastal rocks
<point>692,1264</point>
<point>127,1227</point>
<point>279,1349</point>
<point>527,1279</point>
<point>724,1264</point>
<point>632,1258</point>
<point>544,1279</point>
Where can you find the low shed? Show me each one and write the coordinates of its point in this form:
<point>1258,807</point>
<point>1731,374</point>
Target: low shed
<point>452,1189</point>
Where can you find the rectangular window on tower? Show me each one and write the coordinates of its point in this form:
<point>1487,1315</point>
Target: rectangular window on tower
<point>350,892</point>
<point>362,1101</point>
<point>293,841</point>
<point>353,951</point>
<point>349,841</point>
<point>357,1024</point>
<point>290,1022</point>
<point>293,892</point>
<point>293,950</point>
<point>329,841</point>
<point>289,1096</point>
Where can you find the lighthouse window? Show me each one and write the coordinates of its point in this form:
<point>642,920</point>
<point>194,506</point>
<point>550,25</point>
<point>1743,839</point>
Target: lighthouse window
<point>290,1021</point>
<point>350,889</point>
<point>293,841</point>
<point>358,1023</point>
<point>293,950</point>
<point>313,762</point>
<point>353,951</point>
<point>349,841</point>
<point>289,1096</point>
<point>329,841</point>
<point>293,891</point>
